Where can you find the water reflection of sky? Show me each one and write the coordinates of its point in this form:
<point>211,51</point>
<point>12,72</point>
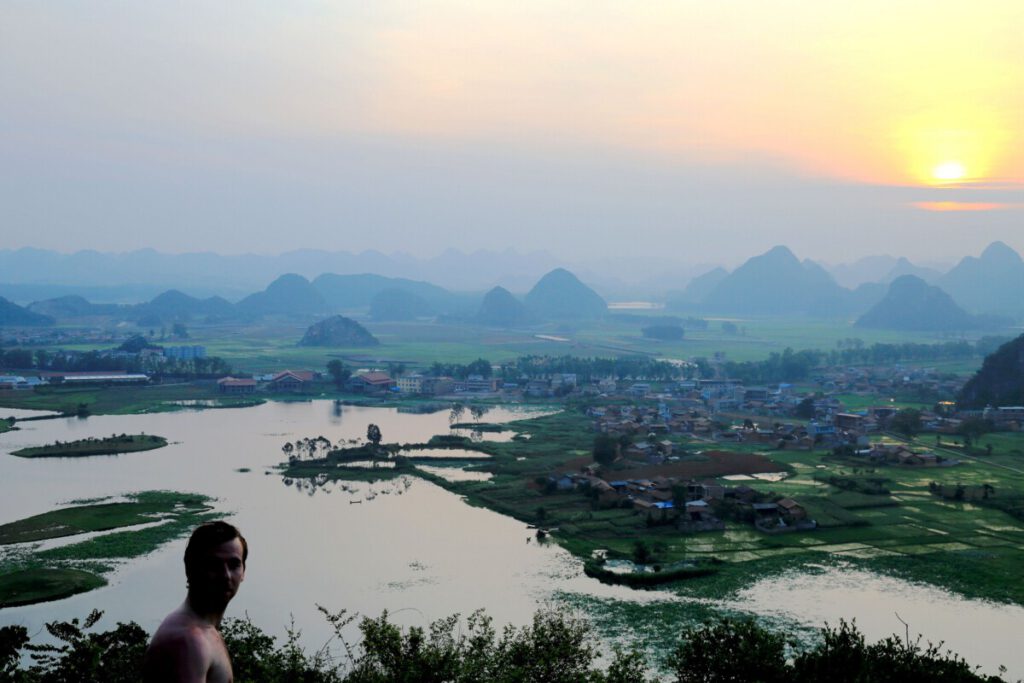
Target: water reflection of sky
<point>418,551</point>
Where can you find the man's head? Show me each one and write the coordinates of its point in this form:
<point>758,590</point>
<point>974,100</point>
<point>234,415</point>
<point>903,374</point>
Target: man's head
<point>215,563</point>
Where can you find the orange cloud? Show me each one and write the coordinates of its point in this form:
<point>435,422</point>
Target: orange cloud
<point>962,206</point>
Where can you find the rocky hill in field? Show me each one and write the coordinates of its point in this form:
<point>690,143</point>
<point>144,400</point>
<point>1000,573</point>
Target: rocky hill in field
<point>338,331</point>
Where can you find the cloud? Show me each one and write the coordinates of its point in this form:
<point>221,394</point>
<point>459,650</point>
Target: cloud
<point>965,206</point>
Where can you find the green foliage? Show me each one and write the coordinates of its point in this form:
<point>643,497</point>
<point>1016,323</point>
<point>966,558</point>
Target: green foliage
<point>729,651</point>
<point>844,657</point>
<point>606,449</point>
<point>339,372</point>
<point>906,422</point>
<point>553,648</point>
<point>805,409</point>
<point>112,445</point>
<point>83,657</point>
<point>974,427</point>
<point>663,332</point>
<point>255,656</point>
<point>373,434</point>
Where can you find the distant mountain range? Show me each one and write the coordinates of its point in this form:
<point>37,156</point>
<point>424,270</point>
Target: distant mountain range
<point>773,283</point>
<point>35,274</point>
<point>558,295</point>
<point>776,282</point>
<point>13,315</point>
<point>991,283</point>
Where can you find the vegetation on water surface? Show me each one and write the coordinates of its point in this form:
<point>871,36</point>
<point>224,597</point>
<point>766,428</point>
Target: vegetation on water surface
<point>119,400</point>
<point>553,648</point>
<point>29,586</point>
<point>878,517</point>
<point>161,516</point>
<point>111,445</point>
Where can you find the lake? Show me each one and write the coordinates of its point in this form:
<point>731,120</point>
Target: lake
<point>409,547</point>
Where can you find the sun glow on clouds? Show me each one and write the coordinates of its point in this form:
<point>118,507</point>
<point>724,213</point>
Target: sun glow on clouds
<point>873,91</point>
<point>828,88</point>
<point>961,206</point>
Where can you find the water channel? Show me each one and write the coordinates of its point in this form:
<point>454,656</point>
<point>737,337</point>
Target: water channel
<point>409,547</point>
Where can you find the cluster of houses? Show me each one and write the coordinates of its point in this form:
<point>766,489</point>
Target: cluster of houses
<point>898,454</point>
<point>691,506</point>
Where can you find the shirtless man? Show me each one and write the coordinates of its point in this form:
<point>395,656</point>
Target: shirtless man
<point>188,648</point>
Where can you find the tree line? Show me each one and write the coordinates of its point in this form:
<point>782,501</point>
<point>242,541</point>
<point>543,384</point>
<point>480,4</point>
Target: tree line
<point>101,361</point>
<point>553,648</point>
<point>795,366</point>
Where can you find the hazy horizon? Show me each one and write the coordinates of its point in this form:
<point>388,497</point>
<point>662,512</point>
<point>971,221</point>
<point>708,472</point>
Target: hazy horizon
<point>588,131</point>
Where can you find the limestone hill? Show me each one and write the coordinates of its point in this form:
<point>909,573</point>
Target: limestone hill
<point>1000,382</point>
<point>913,304</point>
<point>501,309</point>
<point>338,331</point>
<point>560,295</point>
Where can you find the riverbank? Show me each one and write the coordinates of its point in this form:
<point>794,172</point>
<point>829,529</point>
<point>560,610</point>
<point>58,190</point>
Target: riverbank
<point>112,445</point>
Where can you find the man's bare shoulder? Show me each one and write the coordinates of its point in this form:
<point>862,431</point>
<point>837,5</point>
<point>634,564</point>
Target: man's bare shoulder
<point>182,649</point>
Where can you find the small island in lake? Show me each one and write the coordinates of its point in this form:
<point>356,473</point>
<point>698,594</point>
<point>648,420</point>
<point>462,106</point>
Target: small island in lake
<point>110,445</point>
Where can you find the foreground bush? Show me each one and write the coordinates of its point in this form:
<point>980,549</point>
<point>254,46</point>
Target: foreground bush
<point>554,648</point>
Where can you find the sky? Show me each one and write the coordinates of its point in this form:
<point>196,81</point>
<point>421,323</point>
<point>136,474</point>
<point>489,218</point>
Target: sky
<point>703,131</point>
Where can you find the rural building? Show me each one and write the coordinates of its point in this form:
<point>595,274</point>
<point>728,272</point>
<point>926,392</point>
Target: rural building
<point>184,352</point>
<point>236,385</point>
<point>292,380</point>
<point>410,384</point>
<point>102,378</point>
<point>372,383</point>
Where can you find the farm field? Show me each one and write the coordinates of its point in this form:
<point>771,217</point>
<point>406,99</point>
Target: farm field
<point>273,346</point>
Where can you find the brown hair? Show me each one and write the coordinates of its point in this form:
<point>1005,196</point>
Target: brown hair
<point>207,536</point>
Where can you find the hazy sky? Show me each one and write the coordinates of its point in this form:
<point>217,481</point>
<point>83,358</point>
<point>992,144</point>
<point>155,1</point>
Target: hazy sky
<point>707,130</point>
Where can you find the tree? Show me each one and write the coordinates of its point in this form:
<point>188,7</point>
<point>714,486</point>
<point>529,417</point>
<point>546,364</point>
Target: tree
<point>729,651</point>
<point>480,367</point>
<point>906,422</point>
<point>642,553</point>
<point>975,427</point>
<point>805,409</point>
<point>373,434</point>
<point>339,372</point>
<point>606,449</point>
<point>179,330</point>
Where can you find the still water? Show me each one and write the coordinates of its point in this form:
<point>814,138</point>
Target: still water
<point>409,546</point>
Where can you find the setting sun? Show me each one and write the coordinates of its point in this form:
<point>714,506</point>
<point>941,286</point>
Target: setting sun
<point>949,170</point>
